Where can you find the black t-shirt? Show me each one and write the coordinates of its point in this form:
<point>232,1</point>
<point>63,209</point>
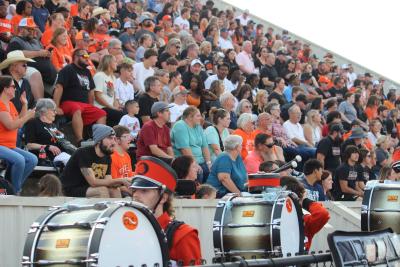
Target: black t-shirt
<point>145,102</point>
<point>84,157</point>
<point>331,150</point>
<point>38,132</point>
<point>124,13</point>
<point>51,7</point>
<point>194,23</point>
<point>348,173</point>
<point>79,22</point>
<point>281,98</point>
<point>268,72</point>
<point>76,82</point>
<point>324,94</point>
<point>338,93</point>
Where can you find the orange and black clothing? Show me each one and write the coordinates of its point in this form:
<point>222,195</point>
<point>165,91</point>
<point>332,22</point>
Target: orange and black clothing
<point>186,244</point>
<point>314,221</point>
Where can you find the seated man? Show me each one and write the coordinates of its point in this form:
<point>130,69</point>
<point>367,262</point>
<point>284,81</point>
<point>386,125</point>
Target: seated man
<point>154,137</point>
<point>318,215</point>
<point>74,94</point>
<point>88,172</point>
<point>156,192</point>
<point>313,173</point>
<point>32,48</point>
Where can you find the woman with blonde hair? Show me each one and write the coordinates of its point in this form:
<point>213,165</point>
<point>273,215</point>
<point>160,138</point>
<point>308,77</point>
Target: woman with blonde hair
<point>206,57</point>
<point>260,102</point>
<point>312,128</point>
<point>61,54</point>
<point>104,91</point>
<point>278,45</point>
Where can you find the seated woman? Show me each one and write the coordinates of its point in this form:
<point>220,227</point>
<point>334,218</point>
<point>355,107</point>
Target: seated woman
<point>41,132</point>
<point>245,129</point>
<point>185,167</point>
<point>228,173</point>
<point>61,53</point>
<point>218,132</point>
<point>188,138</point>
<point>21,162</point>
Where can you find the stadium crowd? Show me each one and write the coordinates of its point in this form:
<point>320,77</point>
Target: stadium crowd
<point>208,91</point>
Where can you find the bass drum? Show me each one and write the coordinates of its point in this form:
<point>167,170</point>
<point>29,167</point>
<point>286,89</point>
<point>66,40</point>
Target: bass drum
<point>258,226</point>
<point>381,207</point>
<point>104,234</point>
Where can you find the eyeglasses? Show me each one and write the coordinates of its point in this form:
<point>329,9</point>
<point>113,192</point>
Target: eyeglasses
<point>247,106</point>
<point>117,48</point>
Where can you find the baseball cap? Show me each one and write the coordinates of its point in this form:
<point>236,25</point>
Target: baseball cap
<point>323,79</point>
<point>82,35</point>
<point>129,24</point>
<point>196,61</point>
<point>143,18</point>
<point>224,30</point>
<point>159,106</point>
<point>27,22</point>
<point>336,127</point>
<point>166,18</point>
<point>367,74</point>
<point>179,90</point>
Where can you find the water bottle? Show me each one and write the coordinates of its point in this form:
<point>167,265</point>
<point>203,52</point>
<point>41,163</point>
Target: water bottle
<point>42,156</point>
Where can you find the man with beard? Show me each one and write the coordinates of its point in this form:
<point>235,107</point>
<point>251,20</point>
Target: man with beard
<point>88,172</point>
<point>328,148</point>
<point>154,186</point>
<point>74,94</point>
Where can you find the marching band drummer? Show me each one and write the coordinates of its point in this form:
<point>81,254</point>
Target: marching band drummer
<point>154,185</point>
<point>318,215</point>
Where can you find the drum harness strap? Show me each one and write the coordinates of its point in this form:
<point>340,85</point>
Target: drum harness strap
<point>170,231</point>
<point>163,188</point>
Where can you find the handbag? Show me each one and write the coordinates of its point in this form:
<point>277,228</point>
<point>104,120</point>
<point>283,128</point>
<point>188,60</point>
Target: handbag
<point>64,144</point>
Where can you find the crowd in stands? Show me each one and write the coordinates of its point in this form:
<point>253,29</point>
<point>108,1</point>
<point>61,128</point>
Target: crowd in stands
<point>206,90</point>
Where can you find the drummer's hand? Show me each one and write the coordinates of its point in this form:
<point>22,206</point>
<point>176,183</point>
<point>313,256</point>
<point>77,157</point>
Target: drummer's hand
<point>126,182</point>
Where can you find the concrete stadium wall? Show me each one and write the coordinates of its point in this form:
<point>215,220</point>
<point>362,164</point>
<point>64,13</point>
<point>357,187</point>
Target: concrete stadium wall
<point>318,50</point>
<point>18,213</point>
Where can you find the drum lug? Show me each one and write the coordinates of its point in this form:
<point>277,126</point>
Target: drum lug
<point>100,223</point>
<point>26,261</point>
<point>276,224</point>
<point>34,227</point>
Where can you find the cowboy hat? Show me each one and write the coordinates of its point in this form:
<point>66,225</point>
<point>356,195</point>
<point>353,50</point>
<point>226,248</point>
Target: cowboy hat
<point>14,56</point>
<point>99,11</point>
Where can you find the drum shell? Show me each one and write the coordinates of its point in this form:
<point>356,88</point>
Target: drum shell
<point>381,208</point>
<point>258,182</point>
<point>261,241</point>
<point>79,243</point>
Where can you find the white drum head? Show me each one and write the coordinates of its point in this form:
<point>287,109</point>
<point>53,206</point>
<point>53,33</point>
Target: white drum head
<point>129,239</point>
<point>290,233</point>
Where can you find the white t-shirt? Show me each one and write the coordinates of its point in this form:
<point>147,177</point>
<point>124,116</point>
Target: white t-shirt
<point>227,83</point>
<point>132,123</point>
<point>182,23</point>
<point>243,21</point>
<point>294,130</point>
<point>105,84</point>
<point>141,74</point>
<point>123,92</point>
<point>225,43</point>
<point>177,111</point>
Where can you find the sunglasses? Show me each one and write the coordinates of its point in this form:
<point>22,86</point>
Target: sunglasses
<point>84,56</point>
<point>271,145</point>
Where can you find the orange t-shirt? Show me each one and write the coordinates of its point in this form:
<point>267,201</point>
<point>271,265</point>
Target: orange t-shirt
<point>60,57</point>
<point>8,138</point>
<point>121,165</point>
<point>5,25</point>
<point>102,40</point>
<point>74,10</point>
<point>46,39</point>
<point>248,142</point>
<point>389,104</point>
<point>191,101</point>
<point>372,113</point>
<point>14,22</point>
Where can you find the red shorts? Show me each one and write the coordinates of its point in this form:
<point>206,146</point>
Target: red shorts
<point>90,113</point>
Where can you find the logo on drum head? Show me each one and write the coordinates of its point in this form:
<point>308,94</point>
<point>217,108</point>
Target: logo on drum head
<point>130,220</point>
<point>62,243</point>
<point>289,205</point>
<point>392,198</point>
<point>142,168</point>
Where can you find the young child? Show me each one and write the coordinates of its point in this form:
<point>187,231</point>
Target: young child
<point>129,120</point>
<point>206,191</point>
<point>121,166</point>
<point>50,186</point>
<point>123,86</point>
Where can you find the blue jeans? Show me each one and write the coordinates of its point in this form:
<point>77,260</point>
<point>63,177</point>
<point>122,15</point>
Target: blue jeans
<point>21,164</point>
<point>304,151</point>
<point>203,175</point>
